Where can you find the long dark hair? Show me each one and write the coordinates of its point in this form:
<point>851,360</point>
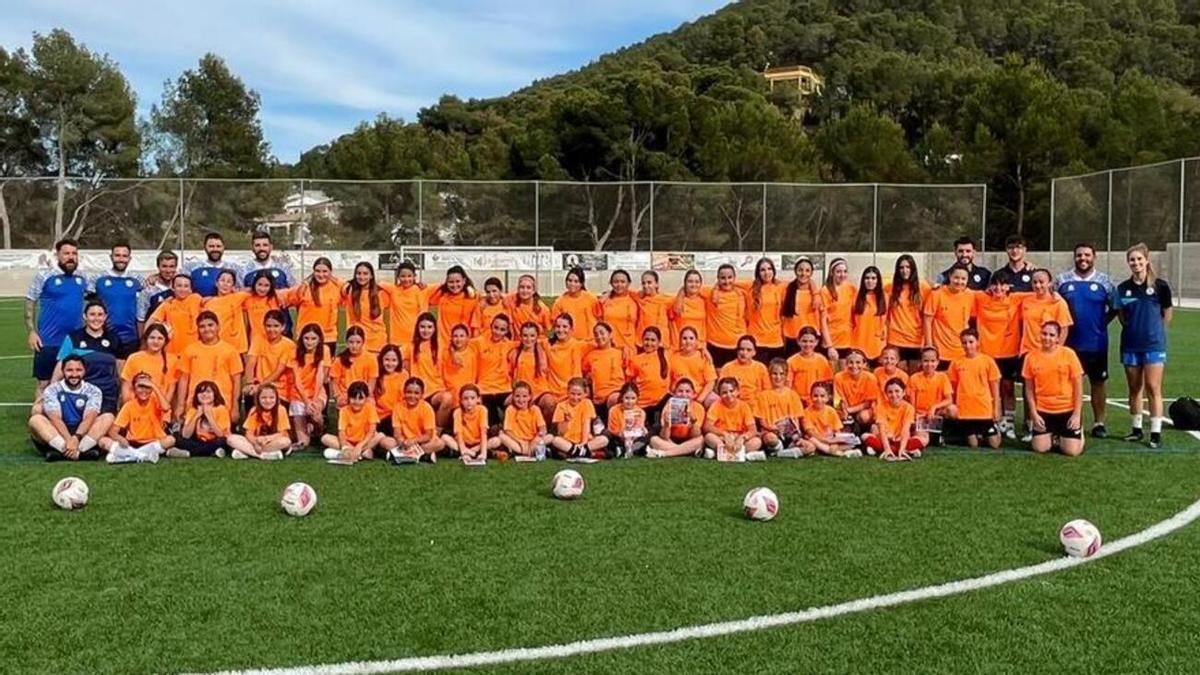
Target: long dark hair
<point>209,385</point>
<point>161,330</point>
<point>756,287</point>
<point>468,285</point>
<point>319,352</point>
<point>356,290</point>
<point>263,274</point>
<point>912,283</point>
<point>662,353</point>
<point>345,357</point>
<point>267,423</point>
<point>382,374</point>
<point>314,287</point>
<point>830,284</point>
<point>860,301</point>
<point>416,338</point>
<point>789,299</point>
<point>539,358</point>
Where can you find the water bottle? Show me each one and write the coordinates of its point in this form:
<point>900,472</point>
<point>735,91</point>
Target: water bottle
<point>539,451</point>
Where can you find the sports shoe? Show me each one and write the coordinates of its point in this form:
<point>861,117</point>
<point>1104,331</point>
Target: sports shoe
<point>709,453</point>
<point>1010,432</point>
<point>330,453</point>
<point>1098,431</point>
<point>915,454</point>
<point>870,451</point>
<point>177,453</point>
<point>651,453</point>
<point>272,456</point>
<point>148,456</point>
<point>238,454</point>
<point>1155,440</point>
<point>1027,437</point>
<point>219,453</point>
<point>755,456</point>
<point>853,453</point>
<point>789,453</point>
<point>1134,436</point>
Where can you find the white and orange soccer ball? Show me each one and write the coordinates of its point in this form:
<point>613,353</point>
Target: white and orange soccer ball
<point>1080,539</point>
<point>567,484</point>
<point>70,493</point>
<point>760,504</point>
<point>298,499</point>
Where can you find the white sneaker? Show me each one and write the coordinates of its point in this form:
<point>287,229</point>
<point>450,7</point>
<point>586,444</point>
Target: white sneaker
<point>148,456</point>
<point>651,453</point>
<point>1027,437</point>
<point>756,456</point>
<point>122,454</point>
<point>915,454</point>
<point>238,454</point>
<point>709,453</point>
<point>330,453</point>
<point>790,453</point>
<point>852,454</point>
<point>870,452</point>
<point>220,453</point>
<point>176,453</point>
<point>272,456</point>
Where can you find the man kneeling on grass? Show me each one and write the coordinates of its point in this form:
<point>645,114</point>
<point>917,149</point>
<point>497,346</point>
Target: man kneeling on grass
<point>67,424</point>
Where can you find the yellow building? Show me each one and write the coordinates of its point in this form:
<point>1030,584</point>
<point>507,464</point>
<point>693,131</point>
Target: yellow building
<point>806,81</point>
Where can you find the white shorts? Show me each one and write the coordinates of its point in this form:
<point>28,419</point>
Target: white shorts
<point>297,409</point>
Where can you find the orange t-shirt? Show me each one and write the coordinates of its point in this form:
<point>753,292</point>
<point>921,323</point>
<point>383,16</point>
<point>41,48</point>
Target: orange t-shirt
<point>656,311</point>
<point>488,313</point>
<point>622,314</point>
<point>773,405</point>
<point>894,420</point>
<point>536,312</point>
<point>231,313</point>
<point>646,371</point>
<point>697,367</point>
<point>999,323</point>
<point>362,368</point>
<point>1054,374</point>
<point>391,392</point>
<point>374,327</point>
<point>219,362</point>
<point>972,378</point>
<point>256,311</point>
<point>868,330</point>
<point>205,431</point>
<point>572,422</point>
<point>523,425</point>
<point>838,313</point>
<point>142,421</point>
<point>807,314</point>
<point>471,425</point>
<point>304,378</point>
<point>494,375</point>
<point>726,316</point>
<point>735,419</point>
<point>564,360</point>
<point>355,426</point>
<point>621,420</point>
<point>582,309</point>
<point>253,425</point>
<point>605,369</point>
<point>806,371</point>
<point>694,316</point>
<point>882,377</point>
<point>821,423</point>
<point>453,310</point>
<point>695,416</point>
<point>764,321</point>
<point>412,423</point>
<point>180,317</point>
<point>525,369</point>
<point>925,391</point>
<point>1037,312</point>
<point>752,378</point>
<point>163,371</point>
<point>458,369</point>
<point>406,305</point>
<point>423,366</point>
<point>951,314</point>
<point>324,314</point>
<point>906,326</point>
<point>270,356</point>
<point>856,391</point>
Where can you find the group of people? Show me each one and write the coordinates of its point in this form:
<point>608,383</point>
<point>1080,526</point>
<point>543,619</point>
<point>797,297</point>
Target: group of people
<point>202,361</point>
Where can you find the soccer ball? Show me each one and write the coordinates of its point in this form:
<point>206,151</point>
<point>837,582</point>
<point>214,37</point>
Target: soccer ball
<point>70,493</point>
<point>1080,539</point>
<point>298,499</point>
<point>567,484</point>
<point>760,504</point>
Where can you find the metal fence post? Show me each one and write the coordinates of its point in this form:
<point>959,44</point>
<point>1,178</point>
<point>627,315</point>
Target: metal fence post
<point>875,226</point>
<point>1179,253</point>
<point>537,212</point>
<point>1053,189</point>
<point>983,222</point>
<point>1108,244</point>
<point>182,215</point>
<point>764,218</point>
<point>633,244</point>
<point>303,226</point>
<point>420,212</point>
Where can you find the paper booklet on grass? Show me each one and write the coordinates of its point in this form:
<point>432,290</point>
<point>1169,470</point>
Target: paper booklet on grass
<point>786,427</point>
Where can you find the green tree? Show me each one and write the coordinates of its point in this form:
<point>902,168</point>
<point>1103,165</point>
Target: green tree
<point>21,154</point>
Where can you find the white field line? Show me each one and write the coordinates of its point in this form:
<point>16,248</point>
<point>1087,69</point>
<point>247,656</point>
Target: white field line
<point>756,623</point>
<point>1194,434</point>
<point>16,356</point>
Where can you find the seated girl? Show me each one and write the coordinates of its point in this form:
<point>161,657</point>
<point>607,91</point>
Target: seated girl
<point>730,432</point>
<point>524,426</point>
<point>823,425</point>
<point>206,426</point>
<point>469,431</point>
<point>357,435</point>
<point>891,435</point>
<point>139,432</point>
<point>415,435</point>
<point>681,432</point>
<point>266,430</point>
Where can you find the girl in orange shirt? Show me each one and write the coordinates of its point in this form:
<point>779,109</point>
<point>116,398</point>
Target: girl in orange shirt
<point>808,367</point>
<point>491,305</point>
<point>353,364</point>
<point>572,420</point>
<point>424,363</point>
<point>947,313</point>
<point>822,424</point>
<point>495,374</point>
<point>365,304</point>
<point>604,367</point>
<point>526,305</point>
<point>407,299</point>
<point>388,390</point>
<point>905,329</point>
<point>415,435</point>
<point>654,308</point>
<point>139,432</point>
<point>619,309</point>
<point>1039,309</point>
<point>837,305</point>
<point>316,301</point>
<point>778,411</point>
<point>891,435</point>
<point>267,362</point>
<point>627,426</point>
<point>648,370</point>
<point>524,425</point>
<point>206,426</point>
<point>726,312</point>
<point>868,317</point>
<point>889,367</point>
<point>564,357</point>
<point>857,391</point>
<point>266,429</point>
<point>751,375</point>
<point>764,310</point>
<point>179,314</point>
<point>527,363</point>
<point>308,398</point>
<point>460,366</point>
<point>357,435</point>
<point>694,364</point>
<point>929,389</point>
<point>229,304</point>
<point>457,302</point>
<point>153,360</point>
<point>801,307</point>
<point>579,303</point>
<point>730,432</point>
<point>469,431</point>
<point>263,299</point>
<point>691,309</point>
<point>685,435</point>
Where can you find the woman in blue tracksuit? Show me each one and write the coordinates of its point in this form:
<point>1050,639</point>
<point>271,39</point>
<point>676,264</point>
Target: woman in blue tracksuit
<point>1143,304</point>
<point>99,347</point>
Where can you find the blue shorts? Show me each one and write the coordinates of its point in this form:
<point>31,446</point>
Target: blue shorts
<point>44,361</point>
<point>1139,359</point>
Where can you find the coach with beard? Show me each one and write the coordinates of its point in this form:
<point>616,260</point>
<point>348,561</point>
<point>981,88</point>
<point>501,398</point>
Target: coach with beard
<point>57,294</point>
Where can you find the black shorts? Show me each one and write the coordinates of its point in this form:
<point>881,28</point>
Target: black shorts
<point>1058,424</point>
<point>1010,368</point>
<point>44,361</point>
<point>791,347</point>
<point>764,355</point>
<point>943,365</point>
<point>909,353</point>
<point>1095,364</point>
<point>721,355</point>
<point>385,427</point>
<point>965,428</point>
<point>843,352</point>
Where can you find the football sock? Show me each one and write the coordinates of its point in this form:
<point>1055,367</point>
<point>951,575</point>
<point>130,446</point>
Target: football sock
<point>58,443</point>
<point>1136,422</point>
<point>1156,425</point>
<point>86,443</point>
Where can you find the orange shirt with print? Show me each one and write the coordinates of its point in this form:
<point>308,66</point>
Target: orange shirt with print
<point>362,368</point>
<point>523,425</point>
<point>838,312</point>
<point>573,421</point>
<point>868,331</point>
<point>752,378</point>
<point>421,364</point>
<point>773,405</point>
<point>621,312</point>
<point>764,321</point>
<point>453,310</point>
<point>304,378</point>
<point>926,391</point>
<point>406,303</point>
<point>142,420</point>
<point>998,320</point>
<point>855,391</point>
<point>1055,375</point>
<point>882,377</point>
<point>646,371</point>
<point>1037,312</point>
<point>525,369</point>
<point>231,314</point>
<point>268,356</point>
<point>697,367</point>
<point>410,423</point>
<point>355,426</point>
<point>656,311</point>
<point>726,316</point>
<point>162,368</point>
<point>821,422</point>
<point>564,361</point>
<point>894,420</point>
<point>253,424</point>
<point>582,308</point>
<point>805,371</point>
<point>807,314</point>
<point>218,362</point>
<point>694,316</point>
<point>906,326</point>
<point>488,313</point>
<point>180,317</point>
<point>458,369</point>
<point>972,378</point>
<point>952,313</point>
<point>256,312</point>
<point>208,432</point>
<point>621,420</point>
<point>732,419</point>
<point>321,309</point>
<point>471,425</point>
<point>494,375</point>
<point>535,311</point>
<point>389,392</point>
<point>374,327</point>
<point>605,369</point>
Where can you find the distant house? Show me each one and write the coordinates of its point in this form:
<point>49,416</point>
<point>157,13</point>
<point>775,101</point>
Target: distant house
<point>804,80</point>
<point>299,208</point>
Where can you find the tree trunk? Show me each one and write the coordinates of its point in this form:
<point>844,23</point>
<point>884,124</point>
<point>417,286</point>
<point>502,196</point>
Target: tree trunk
<point>62,189</point>
<point>4,222</point>
<point>1020,201</point>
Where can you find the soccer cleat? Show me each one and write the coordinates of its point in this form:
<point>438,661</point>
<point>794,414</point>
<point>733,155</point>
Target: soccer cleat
<point>219,453</point>
<point>915,454</point>
<point>275,456</point>
<point>1010,432</point>
<point>1027,437</point>
<point>500,456</point>
<point>1155,440</point>
<point>870,451</point>
<point>237,454</point>
<point>147,456</point>
<point>789,453</point>
<point>330,453</point>
<point>709,453</point>
<point>1098,431</point>
<point>755,456</point>
<point>177,453</point>
<point>853,453</point>
<point>651,453</point>
<point>1134,436</point>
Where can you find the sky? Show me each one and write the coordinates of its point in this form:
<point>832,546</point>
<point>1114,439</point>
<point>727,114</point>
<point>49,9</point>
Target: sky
<point>322,66</point>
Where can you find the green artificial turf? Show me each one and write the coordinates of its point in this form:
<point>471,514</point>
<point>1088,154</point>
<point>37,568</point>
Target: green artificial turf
<point>190,565</point>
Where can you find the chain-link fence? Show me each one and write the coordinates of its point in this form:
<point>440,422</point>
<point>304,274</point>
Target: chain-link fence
<point>1155,204</point>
